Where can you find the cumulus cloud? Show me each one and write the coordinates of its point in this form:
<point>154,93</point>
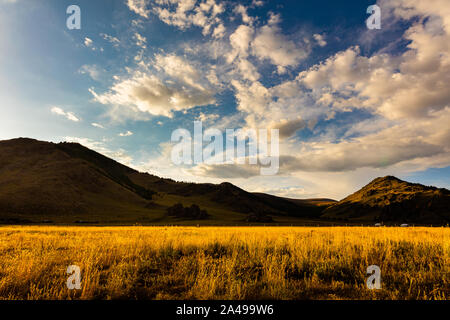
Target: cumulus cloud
<point>240,41</point>
<point>409,91</point>
<point>413,84</point>
<point>270,43</point>
<point>267,43</point>
<point>399,146</point>
<point>288,127</point>
<point>242,11</point>
<point>149,94</point>
<point>68,115</point>
<point>160,86</point>
<point>180,69</point>
<point>282,104</point>
<point>219,31</point>
<point>405,141</point>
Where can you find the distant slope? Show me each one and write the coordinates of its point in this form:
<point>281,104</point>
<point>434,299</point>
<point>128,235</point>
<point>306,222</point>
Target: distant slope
<point>314,201</point>
<point>391,199</point>
<point>68,182</point>
<point>42,179</point>
<point>230,197</point>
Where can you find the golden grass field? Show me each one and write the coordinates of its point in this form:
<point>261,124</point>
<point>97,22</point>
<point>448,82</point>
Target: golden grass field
<point>224,262</point>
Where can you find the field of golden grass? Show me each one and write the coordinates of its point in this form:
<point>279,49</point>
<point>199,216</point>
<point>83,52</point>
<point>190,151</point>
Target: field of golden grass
<point>224,262</point>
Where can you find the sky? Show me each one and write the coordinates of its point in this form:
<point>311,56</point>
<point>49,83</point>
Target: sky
<point>350,103</point>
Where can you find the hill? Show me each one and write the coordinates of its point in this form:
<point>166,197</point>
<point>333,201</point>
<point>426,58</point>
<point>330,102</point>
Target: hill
<point>43,182</point>
<point>67,183</point>
<point>389,199</point>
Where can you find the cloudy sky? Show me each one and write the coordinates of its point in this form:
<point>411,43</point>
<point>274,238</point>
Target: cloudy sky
<point>351,103</point>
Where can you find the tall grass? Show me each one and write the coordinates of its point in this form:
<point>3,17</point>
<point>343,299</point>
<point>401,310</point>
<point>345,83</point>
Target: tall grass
<point>224,262</point>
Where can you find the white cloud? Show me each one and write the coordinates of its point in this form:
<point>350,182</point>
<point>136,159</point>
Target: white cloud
<point>219,31</point>
<point>97,125</point>
<point>242,11</point>
<point>280,105</point>
<point>186,13</point>
<point>207,117</point>
<point>402,144</point>
<point>113,40</point>
<point>413,84</point>
<point>180,69</point>
<point>149,94</point>
<point>270,43</point>
<point>166,84</point>
<point>126,134</point>
<point>139,7</point>
<point>140,40</point>
<point>68,115</point>
<point>88,42</point>
<point>240,42</point>
<point>267,43</point>
<point>257,3</point>
<point>320,39</point>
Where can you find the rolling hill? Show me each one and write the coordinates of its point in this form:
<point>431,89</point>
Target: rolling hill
<point>67,183</point>
<point>389,199</point>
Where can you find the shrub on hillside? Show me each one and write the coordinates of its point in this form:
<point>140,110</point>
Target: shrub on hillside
<point>192,212</point>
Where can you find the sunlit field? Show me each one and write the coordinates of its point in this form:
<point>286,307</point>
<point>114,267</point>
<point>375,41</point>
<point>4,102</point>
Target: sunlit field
<point>224,262</point>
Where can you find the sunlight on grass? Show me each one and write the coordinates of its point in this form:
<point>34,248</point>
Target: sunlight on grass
<point>224,262</point>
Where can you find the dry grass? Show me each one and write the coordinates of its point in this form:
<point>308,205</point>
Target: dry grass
<point>224,262</point>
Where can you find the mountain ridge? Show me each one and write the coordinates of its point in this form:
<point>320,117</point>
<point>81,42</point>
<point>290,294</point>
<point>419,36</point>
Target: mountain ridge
<point>67,182</point>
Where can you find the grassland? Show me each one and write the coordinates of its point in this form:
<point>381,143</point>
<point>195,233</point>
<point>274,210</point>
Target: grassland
<point>224,262</point>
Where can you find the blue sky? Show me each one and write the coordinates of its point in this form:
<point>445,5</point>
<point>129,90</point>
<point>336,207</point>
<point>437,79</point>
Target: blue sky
<point>351,103</point>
